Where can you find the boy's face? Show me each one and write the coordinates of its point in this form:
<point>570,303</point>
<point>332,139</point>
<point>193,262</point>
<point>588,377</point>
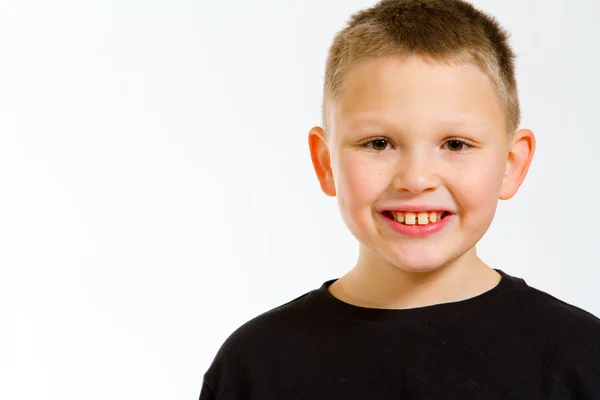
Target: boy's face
<point>440,145</point>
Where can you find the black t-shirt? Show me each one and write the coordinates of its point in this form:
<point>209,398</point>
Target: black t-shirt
<point>511,342</point>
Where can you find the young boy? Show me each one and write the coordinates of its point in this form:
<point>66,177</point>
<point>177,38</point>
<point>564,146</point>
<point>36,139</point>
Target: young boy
<point>419,141</point>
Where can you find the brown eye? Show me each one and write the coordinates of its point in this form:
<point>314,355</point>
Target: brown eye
<point>379,144</point>
<point>455,145</point>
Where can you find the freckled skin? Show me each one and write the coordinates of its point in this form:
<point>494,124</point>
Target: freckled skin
<point>416,107</point>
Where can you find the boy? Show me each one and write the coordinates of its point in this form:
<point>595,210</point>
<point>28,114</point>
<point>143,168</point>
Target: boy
<point>419,141</point>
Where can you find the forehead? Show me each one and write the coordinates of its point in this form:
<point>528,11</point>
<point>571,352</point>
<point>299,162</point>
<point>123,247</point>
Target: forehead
<point>417,93</point>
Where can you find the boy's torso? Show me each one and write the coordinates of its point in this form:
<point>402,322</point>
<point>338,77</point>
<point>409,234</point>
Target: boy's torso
<point>515,343</point>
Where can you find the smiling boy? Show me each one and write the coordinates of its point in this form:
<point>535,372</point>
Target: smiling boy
<point>426,144</point>
<point>420,139</point>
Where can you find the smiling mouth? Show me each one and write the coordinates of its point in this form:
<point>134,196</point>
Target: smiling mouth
<point>416,218</point>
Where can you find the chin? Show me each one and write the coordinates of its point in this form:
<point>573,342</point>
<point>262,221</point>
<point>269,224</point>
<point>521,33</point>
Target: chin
<point>419,264</point>
<point>419,268</point>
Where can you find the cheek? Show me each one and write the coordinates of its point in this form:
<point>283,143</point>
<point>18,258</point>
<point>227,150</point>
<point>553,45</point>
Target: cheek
<point>479,188</point>
<point>360,181</point>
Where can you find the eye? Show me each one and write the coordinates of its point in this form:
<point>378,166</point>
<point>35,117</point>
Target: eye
<point>377,144</point>
<point>456,145</point>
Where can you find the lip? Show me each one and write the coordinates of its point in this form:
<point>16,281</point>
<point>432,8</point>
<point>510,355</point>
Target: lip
<point>417,230</point>
<point>417,208</point>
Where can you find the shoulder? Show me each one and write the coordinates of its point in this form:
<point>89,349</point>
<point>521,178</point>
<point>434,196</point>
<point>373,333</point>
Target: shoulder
<point>573,331</point>
<point>569,338</point>
<point>267,324</point>
<point>268,333</point>
<point>564,314</point>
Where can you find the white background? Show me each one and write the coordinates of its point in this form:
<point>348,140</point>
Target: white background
<point>157,190</point>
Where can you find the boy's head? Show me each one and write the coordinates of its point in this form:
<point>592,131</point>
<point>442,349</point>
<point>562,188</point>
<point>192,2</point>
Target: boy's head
<point>420,110</point>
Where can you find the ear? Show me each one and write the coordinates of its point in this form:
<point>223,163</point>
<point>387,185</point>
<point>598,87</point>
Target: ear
<point>319,153</point>
<point>518,161</point>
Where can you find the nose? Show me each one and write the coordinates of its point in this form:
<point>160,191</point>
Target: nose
<point>415,173</point>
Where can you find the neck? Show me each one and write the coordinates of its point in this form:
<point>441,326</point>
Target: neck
<point>376,283</point>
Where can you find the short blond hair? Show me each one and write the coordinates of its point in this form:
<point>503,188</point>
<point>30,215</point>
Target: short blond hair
<point>446,31</point>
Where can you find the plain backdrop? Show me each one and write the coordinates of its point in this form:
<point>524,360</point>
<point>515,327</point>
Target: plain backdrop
<point>156,189</point>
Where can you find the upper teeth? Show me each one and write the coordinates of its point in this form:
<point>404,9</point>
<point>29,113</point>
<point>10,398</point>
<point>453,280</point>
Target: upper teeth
<point>421,218</point>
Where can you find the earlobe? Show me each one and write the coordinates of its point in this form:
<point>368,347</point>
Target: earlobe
<point>517,163</point>
<point>319,153</point>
